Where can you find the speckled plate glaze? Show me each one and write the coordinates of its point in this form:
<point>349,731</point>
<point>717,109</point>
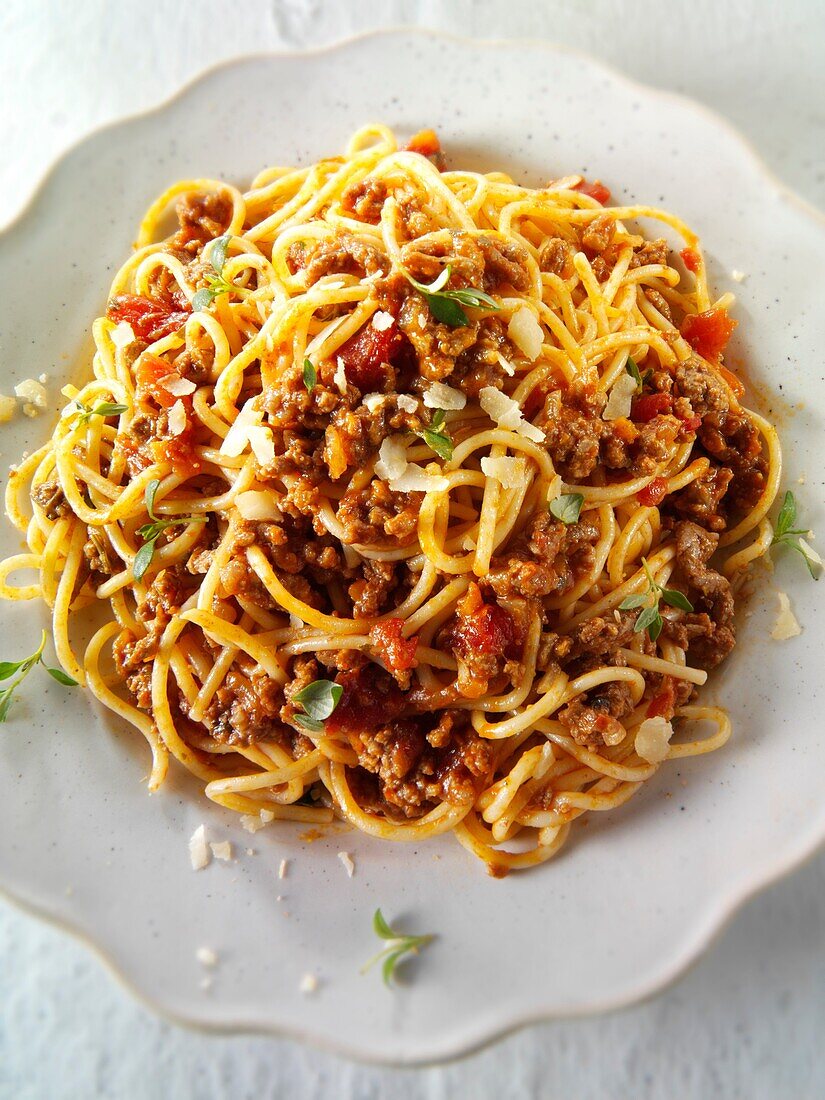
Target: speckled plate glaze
<point>637,893</point>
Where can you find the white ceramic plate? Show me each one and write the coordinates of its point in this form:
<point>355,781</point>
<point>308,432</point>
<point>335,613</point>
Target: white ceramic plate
<point>636,895</point>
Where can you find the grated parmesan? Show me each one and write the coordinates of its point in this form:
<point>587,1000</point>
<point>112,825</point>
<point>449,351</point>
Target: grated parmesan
<point>506,470</point>
<point>653,739</point>
<point>392,458</point>
<point>347,860</point>
<point>177,418</point>
<point>222,849</point>
<point>177,386</point>
<point>439,396</point>
<point>786,625</point>
<point>8,407</point>
<point>382,320</point>
<point>309,983</point>
<point>257,504</point>
<point>340,376</point>
<point>415,479</point>
<point>33,393</point>
<point>374,401</point>
<point>206,956</point>
<point>200,853</point>
<point>122,335</point>
<point>620,397</point>
<point>507,414</point>
<point>526,333</point>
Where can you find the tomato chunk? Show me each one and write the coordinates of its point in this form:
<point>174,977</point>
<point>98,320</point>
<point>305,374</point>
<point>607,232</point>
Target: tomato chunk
<point>150,318</point>
<point>149,369</point>
<point>397,652</point>
<point>708,332</point>
<point>596,190</point>
<point>490,629</point>
<point>653,493</point>
<point>664,704</point>
<point>427,144</point>
<point>365,354</point>
<point>690,258</point>
<point>370,700</point>
<point>650,405</point>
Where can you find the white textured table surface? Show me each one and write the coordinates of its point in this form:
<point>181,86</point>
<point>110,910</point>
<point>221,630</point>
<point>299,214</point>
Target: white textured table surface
<point>748,1020</point>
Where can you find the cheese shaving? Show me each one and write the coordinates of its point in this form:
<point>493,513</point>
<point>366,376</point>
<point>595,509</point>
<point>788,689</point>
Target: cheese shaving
<point>340,376</point>
<point>32,392</point>
<point>309,983</point>
<point>122,335</point>
<point>349,865</point>
<point>392,458</point>
<point>506,365</point>
<point>786,625</point>
<point>200,854</point>
<point>253,822</point>
<point>222,849</point>
<point>382,320</point>
<point>374,401</point>
<point>237,438</point>
<point>506,470</point>
<point>257,504</point>
<point>439,396</point>
<point>526,333</point>
<point>8,407</point>
<point>282,868</point>
<point>177,386</point>
<point>177,418</point>
<point>262,444</point>
<point>653,739</point>
<point>507,414</point>
<point>620,398</point>
<point>407,403</point>
<point>415,479</point>
<point>206,956</point>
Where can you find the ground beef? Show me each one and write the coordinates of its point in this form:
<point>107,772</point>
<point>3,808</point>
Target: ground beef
<point>708,633</point>
<point>479,261</point>
<point>546,560</point>
<point>598,234</point>
<point>651,252</point>
<point>376,515</point>
<point>480,365</point>
<point>593,719</point>
<point>406,769</point>
<point>365,199</point>
<point>345,254</point>
<point>593,642</point>
<point>556,257</point>
<point>436,346</point>
<point>51,499</point>
<point>246,708</point>
<point>369,593</point>
<point>201,218</point>
<point>700,501</point>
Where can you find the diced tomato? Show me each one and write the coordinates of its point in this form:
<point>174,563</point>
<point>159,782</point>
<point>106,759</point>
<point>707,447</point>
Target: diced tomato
<point>624,429</point>
<point>424,142</point>
<point>370,699</point>
<point>490,629</point>
<point>365,354</point>
<point>691,423</point>
<point>149,369</point>
<point>691,259</point>
<point>397,652</point>
<point>150,318</point>
<point>664,704</point>
<point>734,382</point>
<point>653,493</point>
<point>179,450</point>
<point>596,190</point>
<point>708,332</point>
<point>650,405</point>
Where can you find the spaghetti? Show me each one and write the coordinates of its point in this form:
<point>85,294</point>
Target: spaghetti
<point>399,487</point>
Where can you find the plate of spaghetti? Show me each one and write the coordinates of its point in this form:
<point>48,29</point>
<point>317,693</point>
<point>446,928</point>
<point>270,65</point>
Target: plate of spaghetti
<point>420,488</point>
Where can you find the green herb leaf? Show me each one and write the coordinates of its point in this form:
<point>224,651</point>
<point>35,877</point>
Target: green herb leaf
<point>633,370</point>
<point>217,253</point>
<point>149,496</point>
<point>787,516</point>
<point>398,947</point>
<point>105,408</point>
<point>8,668</point>
<point>445,305</point>
<point>310,374</point>
<point>320,698</point>
<point>447,311</point>
<point>61,676</point>
<point>676,598</point>
<point>439,442</point>
<point>567,507</point>
<point>310,724</point>
<point>649,620</point>
<point>437,419</point>
<point>638,599</point>
<point>202,298</point>
<point>143,559</point>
